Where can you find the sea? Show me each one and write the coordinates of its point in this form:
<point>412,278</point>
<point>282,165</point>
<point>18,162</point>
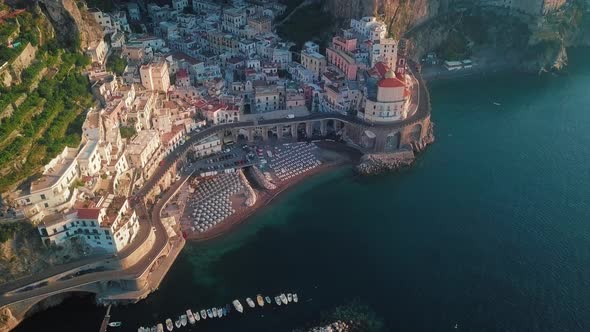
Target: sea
<point>488,231</point>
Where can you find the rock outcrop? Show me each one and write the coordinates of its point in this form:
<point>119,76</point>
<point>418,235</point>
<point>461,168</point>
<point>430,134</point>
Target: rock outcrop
<point>74,26</point>
<point>261,179</point>
<point>7,320</point>
<point>377,163</point>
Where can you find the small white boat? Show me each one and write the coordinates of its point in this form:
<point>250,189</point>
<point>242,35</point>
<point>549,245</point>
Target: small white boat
<point>141,329</point>
<point>267,299</point>
<point>197,316</point>
<point>169,325</point>
<point>295,298</point>
<point>204,314</point>
<point>219,312</point>
<point>209,313</point>
<point>250,302</point>
<point>115,324</point>
<point>260,300</point>
<point>238,306</point>
<point>177,323</point>
<point>159,327</point>
<point>497,103</point>
<point>183,320</point>
<point>190,316</point>
<point>277,300</point>
<point>214,311</point>
<point>290,297</point>
<point>284,298</point>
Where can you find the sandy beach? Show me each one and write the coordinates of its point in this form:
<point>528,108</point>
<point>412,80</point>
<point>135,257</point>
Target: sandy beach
<point>334,155</point>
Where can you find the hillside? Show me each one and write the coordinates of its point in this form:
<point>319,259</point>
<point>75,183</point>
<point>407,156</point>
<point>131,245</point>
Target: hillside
<point>43,94</point>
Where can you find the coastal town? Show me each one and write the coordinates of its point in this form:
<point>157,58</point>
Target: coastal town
<point>209,117</point>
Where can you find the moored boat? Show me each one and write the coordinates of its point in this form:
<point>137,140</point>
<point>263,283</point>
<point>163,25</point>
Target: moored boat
<point>153,329</point>
<point>260,300</point>
<point>177,323</point>
<point>183,320</point>
<point>219,312</point>
<point>141,329</point>
<point>290,297</point>
<point>190,316</point>
<point>209,313</point>
<point>284,298</point>
<point>224,311</point>
<point>238,306</point>
<point>204,314</point>
<point>267,299</point>
<point>159,327</point>
<point>295,298</point>
<point>169,325</point>
<point>277,300</point>
<point>250,302</point>
<point>115,324</point>
<point>227,308</point>
<point>214,310</point>
<point>197,316</point>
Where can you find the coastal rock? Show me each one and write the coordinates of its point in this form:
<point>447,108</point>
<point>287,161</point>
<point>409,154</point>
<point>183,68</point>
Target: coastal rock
<point>252,198</point>
<point>376,163</point>
<point>72,24</point>
<point>7,320</point>
<point>261,179</point>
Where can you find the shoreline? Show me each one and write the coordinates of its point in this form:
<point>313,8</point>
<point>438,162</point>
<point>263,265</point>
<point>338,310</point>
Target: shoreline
<point>266,197</point>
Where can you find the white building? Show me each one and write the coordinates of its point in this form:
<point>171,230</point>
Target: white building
<point>207,146</point>
<point>133,10</point>
<point>384,50</point>
<point>109,225</point>
<point>142,147</point>
<point>155,76</point>
<point>369,27</point>
<point>179,5</point>
<point>391,103</point>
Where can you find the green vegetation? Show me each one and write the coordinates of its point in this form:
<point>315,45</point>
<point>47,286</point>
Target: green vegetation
<point>127,132</point>
<point>116,64</point>
<point>317,24</point>
<point>7,230</point>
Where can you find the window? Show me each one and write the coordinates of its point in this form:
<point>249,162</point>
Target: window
<point>43,196</point>
<point>46,205</point>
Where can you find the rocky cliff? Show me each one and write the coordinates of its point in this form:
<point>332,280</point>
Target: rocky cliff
<point>74,26</point>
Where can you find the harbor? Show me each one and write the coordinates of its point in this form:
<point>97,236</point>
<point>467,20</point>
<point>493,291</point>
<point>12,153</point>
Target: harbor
<point>190,317</point>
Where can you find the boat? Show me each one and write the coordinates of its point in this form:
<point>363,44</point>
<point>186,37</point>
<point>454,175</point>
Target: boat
<point>284,298</point>
<point>160,327</point>
<point>169,325</point>
<point>190,316</point>
<point>290,297</point>
<point>295,298</point>
<point>250,302</point>
<point>115,324</point>
<point>260,300</point>
<point>203,314</point>
<point>197,316</point>
<point>209,313</point>
<point>141,329</point>
<point>224,311</point>
<point>238,306</point>
<point>177,323</point>
<point>220,312</point>
<point>154,329</point>
<point>214,311</point>
<point>267,299</point>
<point>497,103</point>
<point>228,308</point>
<point>277,300</point>
<point>183,320</point>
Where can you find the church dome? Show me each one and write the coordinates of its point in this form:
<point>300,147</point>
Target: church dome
<point>389,74</point>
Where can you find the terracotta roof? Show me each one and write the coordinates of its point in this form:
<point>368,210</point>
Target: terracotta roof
<point>391,83</point>
<point>381,68</point>
<point>182,73</point>
<point>90,213</point>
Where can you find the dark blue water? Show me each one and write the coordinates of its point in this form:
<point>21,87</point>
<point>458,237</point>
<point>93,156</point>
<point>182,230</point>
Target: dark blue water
<point>489,230</point>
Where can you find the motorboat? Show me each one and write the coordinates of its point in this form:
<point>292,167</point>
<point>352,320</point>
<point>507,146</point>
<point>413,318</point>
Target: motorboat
<point>260,300</point>
<point>284,298</point>
<point>160,327</point>
<point>267,299</point>
<point>115,324</point>
<point>177,323</point>
<point>197,316</point>
<point>183,320</point>
<point>190,316</point>
<point>219,312</point>
<point>203,314</point>
<point>169,325</point>
<point>209,313</point>
<point>227,308</point>
<point>290,297</point>
<point>214,311</point>
<point>277,300</point>
<point>224,311</point>
<point>238,306</point>
<point>250,302</point>
<point>295,298</point>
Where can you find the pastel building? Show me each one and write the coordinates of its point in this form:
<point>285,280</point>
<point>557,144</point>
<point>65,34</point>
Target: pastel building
<point>155,76</point>
<point>314,62</point>
<point>369,27</point>
<point>390,102</point>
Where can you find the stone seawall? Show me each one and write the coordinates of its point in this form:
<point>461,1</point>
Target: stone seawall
<point>377,163</point>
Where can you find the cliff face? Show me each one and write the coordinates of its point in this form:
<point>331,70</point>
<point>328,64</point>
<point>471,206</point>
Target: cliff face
<point>72,25</point>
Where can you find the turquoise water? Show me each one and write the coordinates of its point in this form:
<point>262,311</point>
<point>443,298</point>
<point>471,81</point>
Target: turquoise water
<point>489,230</point>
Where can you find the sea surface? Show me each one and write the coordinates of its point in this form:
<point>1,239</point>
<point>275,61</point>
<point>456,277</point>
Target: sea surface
<point>489,231</point>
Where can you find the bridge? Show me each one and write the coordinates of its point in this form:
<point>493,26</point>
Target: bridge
<point>136,271</point>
